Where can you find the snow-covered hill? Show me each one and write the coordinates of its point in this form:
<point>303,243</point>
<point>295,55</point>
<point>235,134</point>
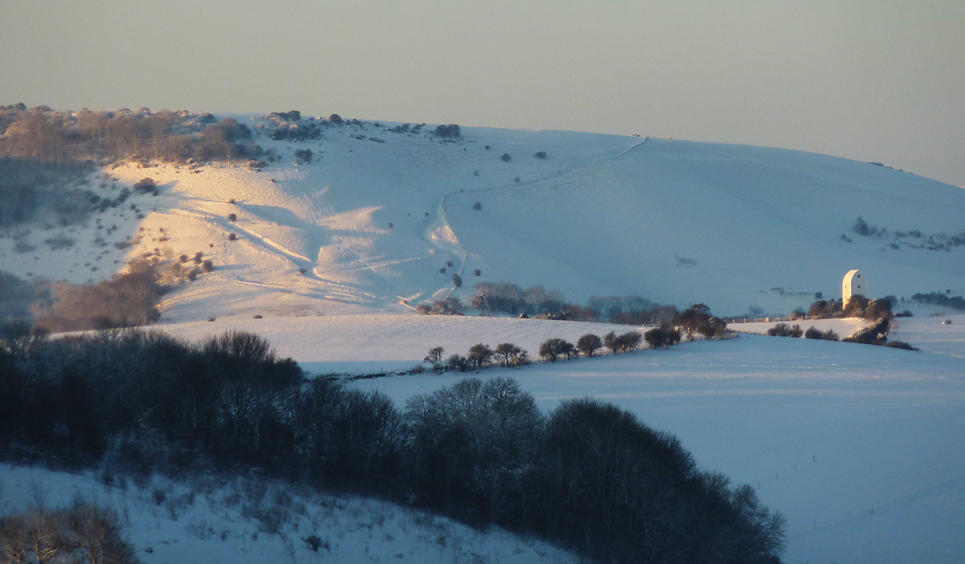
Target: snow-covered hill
<point>860,446</point>
<point>379,217</point>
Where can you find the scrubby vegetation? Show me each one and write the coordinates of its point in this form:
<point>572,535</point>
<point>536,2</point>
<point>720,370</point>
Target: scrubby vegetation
<point>83,533</point>
<point>588,476</point>
<point>127,300</point>
<point>783,330</point>
<point>913,239</point>
<point>858,306</point>
<point>815,333</point>
<point>47,157</point>
<point>44,135</point>
<point>938,298</point>
<point>450,131</point>
<point>536,301</point>
<point>877,310</point>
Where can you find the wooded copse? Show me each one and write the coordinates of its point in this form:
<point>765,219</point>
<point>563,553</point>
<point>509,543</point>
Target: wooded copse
<point>588,476</point>
<point>47,136</point>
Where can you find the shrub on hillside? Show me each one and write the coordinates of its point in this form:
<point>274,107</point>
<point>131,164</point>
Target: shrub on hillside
<point>506,157</point>
<point>783,330</point>
<point>814,333</point>
<point>875,334</point>
<point>662,337</point>
<point>145,185</point>
<point>450,131</point>
<point>824,309</point>
<point>698,318</point>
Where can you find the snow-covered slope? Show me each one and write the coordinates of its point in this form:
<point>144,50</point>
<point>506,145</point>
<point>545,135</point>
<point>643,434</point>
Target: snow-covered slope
<point>209,520</point>
<point>380,217</point>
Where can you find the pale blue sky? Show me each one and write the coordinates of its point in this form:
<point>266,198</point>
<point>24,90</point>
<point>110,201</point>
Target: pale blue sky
<point>873,80</point>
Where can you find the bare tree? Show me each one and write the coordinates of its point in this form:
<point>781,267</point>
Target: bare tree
<point>589,343</point>
<point>479,355</point>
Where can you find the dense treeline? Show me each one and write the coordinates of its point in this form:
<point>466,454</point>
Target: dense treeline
<point>588,476</point>
<point>46,136</point>
<point>938,298</point>
<point>506,297</point>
